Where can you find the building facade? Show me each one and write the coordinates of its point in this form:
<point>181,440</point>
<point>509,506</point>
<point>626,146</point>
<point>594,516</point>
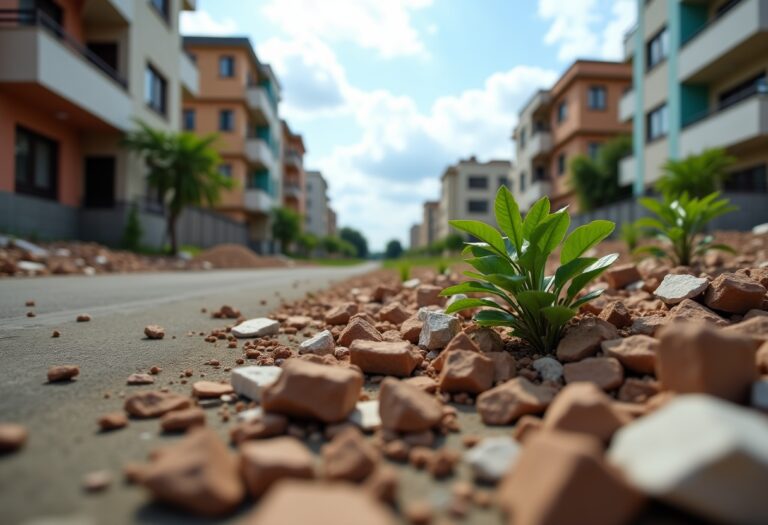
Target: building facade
<point>574,117</point>
<point>699,82</point>
<point>414,236</point>
<point>74,77</point>
<point>428,226</point>
<point>468,189</point>
<point>294,179</point>
<point>238,100</point>
<point>316,217</point>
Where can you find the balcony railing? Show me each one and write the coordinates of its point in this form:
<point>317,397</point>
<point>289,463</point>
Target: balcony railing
<point>720,12</point>
<point>37,18</point>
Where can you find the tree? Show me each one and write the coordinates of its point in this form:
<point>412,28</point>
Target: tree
<point>453,242</point>
<point>307,242</point>
<point>697,175</point>
<point>596,181</point>
<point>286,226</point>
<point>133,232</point>
<point>182,167</point>
<point>394,249</point>
<point>356,239</point>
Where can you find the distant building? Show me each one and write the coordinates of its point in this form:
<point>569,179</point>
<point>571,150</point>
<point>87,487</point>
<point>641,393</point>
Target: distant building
<point>468,190</point>
<point>575,117</point>
<point>316,218</point>
<point>415,236</point>
<point>699,82</point>
<point>294,193</point>
<point>332,219</point>
<point>238,100</point>
<point>428,227</point>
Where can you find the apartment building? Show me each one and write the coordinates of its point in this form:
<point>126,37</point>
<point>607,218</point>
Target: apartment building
<point>414,236</point>
<point>468,189</point>
<point>316,217</point>
<point>293,171</point>
<point>574,117</point>
<point>332,222</point>
<point>74,76</point>
<point>238,100</point>
<point>699,82</point>
<point>428,227</point>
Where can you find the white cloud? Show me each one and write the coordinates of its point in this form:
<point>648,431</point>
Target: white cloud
<point>202,23</point>
<point>382,25</point>
<point>587,28</point>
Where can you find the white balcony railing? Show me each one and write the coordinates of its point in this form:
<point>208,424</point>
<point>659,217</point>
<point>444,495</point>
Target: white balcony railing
<point>629,44</point>
<point>743,121</point>
<point>293,159</point>
<point>534,192</point>
<point>258,152</point>
<point>258,201</point>
<point>627,106</point>
<point>540,143</point>
<point>258,101</point>
<point>627,171</point>
<point>725,37</point>
<point>292,190</point>
<point>190,79</point>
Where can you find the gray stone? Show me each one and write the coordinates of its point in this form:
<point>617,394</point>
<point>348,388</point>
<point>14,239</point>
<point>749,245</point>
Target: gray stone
<point>675,288</point>
<point>250,381</point>
<point>701,454</point>
<point>760,394</point>
<point>30,266</point>
<point>549,369</point>
<point>438,330</point>
<point>321,343</point>
<point>760,229</point>
<point>366,415</point>
<point>411,284</point>
<point>258,327</point>
<point>492,457</point>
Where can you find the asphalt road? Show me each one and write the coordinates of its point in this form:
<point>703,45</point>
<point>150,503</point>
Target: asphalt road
<point>43,481</point>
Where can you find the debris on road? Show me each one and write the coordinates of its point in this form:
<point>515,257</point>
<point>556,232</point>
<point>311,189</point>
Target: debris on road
<point>83,318</point>
<point>59,373</point>
<point>153,331</point>
<point>12,437</point>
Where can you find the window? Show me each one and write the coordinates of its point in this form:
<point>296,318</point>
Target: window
<point>562,111</point>
<point>192,57</point>
<point>657,123</point>
<point>225,169</point>
<point>503,180</point>
<point>522,137</point>
<point>593,148</point>
<point>522,181</point>
<point>657,49</point>
<point>226,120</point>
<point>561,164</point>
<point>477,182</point>
<point>597,97</point>
<point>746,89</point>
<point>189,119</point>
<point>477,206</point>
<point>162,7</point>
<point>227,66</point>
<point>539,173</point>
<point>36,164</point>
<point>155,90</point>
<point>753,180</point>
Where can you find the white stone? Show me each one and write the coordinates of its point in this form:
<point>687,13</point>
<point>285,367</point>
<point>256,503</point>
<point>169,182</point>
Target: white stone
<point>258,327</point>
<point>675,288</point>
<point>492,457</point>
<point>412,283</point>
<point>760,394</point>
<point>30,266</point>
<point>760,229</point>
<point>701,454</point>
<point>321,343</point>
<point>249,381</point>
<point>366,415</point>
<point>251,414</point>
<point>549,369</point>
<point>438,329</point>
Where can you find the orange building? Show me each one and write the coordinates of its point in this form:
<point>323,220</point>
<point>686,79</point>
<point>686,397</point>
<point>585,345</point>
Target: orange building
<point>574,117</point>
<point>238,100</point>
<point>294,178</point>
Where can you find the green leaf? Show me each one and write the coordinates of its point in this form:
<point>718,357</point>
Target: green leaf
<point>535,300</point>
<point>570,269</point>
<point>490,264</point>
<point>590,273</point>
<point>720,247</point>
<point>583,238</point>
<point>538,212</point>
<point>550,232</point>
<point>494,318</point>
<point>475,287</point>
<point>483,232</point>
<point>465,304</point>
<point>557,315</point>
<point>508,217</point>
<point>505,282</point>
<point>651,250</point>
<point>594,294</point>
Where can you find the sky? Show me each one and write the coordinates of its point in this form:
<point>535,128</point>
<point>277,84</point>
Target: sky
<point>388,93</point>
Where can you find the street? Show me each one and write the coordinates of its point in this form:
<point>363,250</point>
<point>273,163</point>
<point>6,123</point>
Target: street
<point>43,480</point>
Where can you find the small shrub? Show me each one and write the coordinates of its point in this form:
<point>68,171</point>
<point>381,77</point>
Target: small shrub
<point>679,223</point>
<point>405,272</point>
<point>697,175</point>
<point>442,268</point>
<point>132,233</point>
<point>535,305</point>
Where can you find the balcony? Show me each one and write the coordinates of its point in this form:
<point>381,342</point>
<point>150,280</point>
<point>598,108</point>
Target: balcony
<point>627,171</point>
<point>627,106</point>
<point>539,144</point>
<point>257,151</point>
<point>190,80</point>
<point>741,122</point>
<point>40,59</point>
<point>534,192</point>
<point>629,44</point>
<point>108,12</point>
<point>259,102</point>
<point>293,159</point>
<point>738,36</point>
<point>257,201</point>
<point>292,190</point>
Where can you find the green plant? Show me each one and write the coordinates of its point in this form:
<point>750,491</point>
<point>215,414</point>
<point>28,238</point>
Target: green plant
<point>393,250</point>
<point>697,175</point>
<point>453,242</point>
<point>442,268</point>
<point>680,223</point>
<point>596,181</point>
<point>356,239</point>
<point>307,243</point>
<point>286,226</point>
<point>405,272</point>
<point>535,305</point>
<point>630,233</point>
<point>132,232</point>
<point>182,167</point>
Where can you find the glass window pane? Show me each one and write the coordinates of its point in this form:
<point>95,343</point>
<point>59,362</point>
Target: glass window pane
<point>43,161</point>
<point>23,152</point>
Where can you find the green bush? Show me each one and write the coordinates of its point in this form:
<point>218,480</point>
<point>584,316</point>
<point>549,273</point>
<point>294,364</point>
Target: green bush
<point>679,223</point>
<point>405,272</point>
<point>596,181</point>
<point>535,305</point>
<point>697,175</point>
<point>132,232</point>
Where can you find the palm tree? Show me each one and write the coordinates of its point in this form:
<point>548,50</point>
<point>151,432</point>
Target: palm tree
<point>182,167</point>
<point>698,175</point>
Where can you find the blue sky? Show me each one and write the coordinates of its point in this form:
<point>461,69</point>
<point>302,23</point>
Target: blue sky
<point>387,93</point>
